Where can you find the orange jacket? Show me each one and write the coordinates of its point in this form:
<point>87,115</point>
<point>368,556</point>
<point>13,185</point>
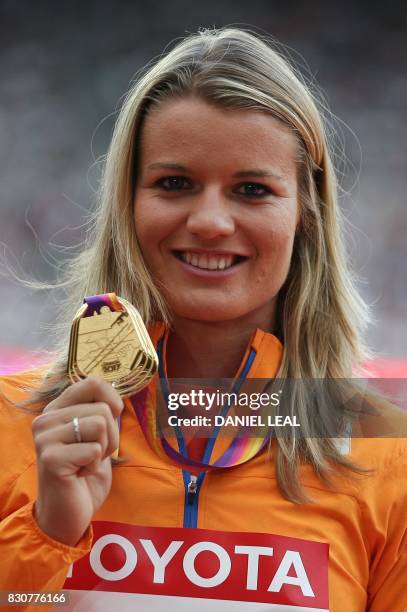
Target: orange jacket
<point>248,548</point>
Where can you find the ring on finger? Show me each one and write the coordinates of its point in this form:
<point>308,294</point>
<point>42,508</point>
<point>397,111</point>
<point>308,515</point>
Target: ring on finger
<point>76,429</point>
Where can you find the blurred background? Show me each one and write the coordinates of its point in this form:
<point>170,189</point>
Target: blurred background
<point>65,67</point>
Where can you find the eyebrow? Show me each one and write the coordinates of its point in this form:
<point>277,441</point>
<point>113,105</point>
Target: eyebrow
<point>241,174</point>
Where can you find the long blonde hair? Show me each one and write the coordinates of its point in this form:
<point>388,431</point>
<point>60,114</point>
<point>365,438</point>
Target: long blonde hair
<point>320,313</point>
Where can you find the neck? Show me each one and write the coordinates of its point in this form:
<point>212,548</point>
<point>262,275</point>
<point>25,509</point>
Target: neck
<point>206,349</point>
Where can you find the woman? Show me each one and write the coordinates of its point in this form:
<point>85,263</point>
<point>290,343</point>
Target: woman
<point>218,220</point>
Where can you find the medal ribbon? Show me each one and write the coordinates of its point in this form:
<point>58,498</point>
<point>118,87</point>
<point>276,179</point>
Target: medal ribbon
<point>95,302</point>
<point>242,448</point>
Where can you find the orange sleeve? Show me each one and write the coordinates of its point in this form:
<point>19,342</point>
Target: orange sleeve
<point>388,571</point>
<point>31,560</point>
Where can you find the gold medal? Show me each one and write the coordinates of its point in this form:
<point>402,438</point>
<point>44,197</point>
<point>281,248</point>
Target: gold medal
<point>111,341</point>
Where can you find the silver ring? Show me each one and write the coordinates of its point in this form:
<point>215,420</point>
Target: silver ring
<point>76,429</point>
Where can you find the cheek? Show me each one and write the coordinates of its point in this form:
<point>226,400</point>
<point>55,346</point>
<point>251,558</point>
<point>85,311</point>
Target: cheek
<point>278,235</point>
<point>148,227</point>
<point>276,252</point>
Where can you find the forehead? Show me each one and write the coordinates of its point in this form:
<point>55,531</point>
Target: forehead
<point>196,131</point>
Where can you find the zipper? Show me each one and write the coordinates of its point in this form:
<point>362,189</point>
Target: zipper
<point>193,483</point>
<point>191,489</point>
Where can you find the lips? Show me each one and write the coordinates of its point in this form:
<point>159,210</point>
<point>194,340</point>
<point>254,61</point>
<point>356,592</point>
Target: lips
<point>207,260</point>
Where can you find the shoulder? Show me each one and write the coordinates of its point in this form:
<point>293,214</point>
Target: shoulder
<point>16,442</point>
<point>377,448</point>
<point>379,438</point>
<point>380,488</point>
<point>380,456</point>
<point>14,386</point>
<point>15,390</point>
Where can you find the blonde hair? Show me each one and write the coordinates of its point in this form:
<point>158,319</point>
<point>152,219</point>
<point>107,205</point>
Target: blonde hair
<point>319,313</point>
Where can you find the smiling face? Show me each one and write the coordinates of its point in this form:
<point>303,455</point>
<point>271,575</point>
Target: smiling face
<point>216,209</point>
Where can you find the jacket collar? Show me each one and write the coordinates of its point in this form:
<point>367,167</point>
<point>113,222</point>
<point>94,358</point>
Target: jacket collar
<point>268,351</point>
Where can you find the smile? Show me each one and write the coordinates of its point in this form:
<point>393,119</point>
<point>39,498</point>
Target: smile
<point>209,261</point>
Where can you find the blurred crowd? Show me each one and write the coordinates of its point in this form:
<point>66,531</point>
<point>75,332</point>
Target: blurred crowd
<point>65,67</point>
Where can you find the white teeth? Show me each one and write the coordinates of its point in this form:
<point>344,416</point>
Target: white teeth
<point>203,261</point>
<point>208,262</point>
<point>212,264</point>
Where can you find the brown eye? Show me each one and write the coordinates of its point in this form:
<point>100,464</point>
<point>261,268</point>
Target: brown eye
<point>254,190</point>
<point>174,183</point>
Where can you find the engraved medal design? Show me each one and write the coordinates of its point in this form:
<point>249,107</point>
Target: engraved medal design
<point>109,339</point>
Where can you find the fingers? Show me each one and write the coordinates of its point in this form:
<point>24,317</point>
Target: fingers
<point>96,424</point>
<point>74,459</point>
<point>98,427</point>
<point>91,389</point>
<point>62,461</point>
<point>95,403</point>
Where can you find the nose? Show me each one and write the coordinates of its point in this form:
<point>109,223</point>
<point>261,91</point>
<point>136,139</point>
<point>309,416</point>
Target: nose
<point>210,216</point>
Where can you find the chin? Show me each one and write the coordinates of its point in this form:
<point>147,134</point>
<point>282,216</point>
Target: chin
<point>211,313</point>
